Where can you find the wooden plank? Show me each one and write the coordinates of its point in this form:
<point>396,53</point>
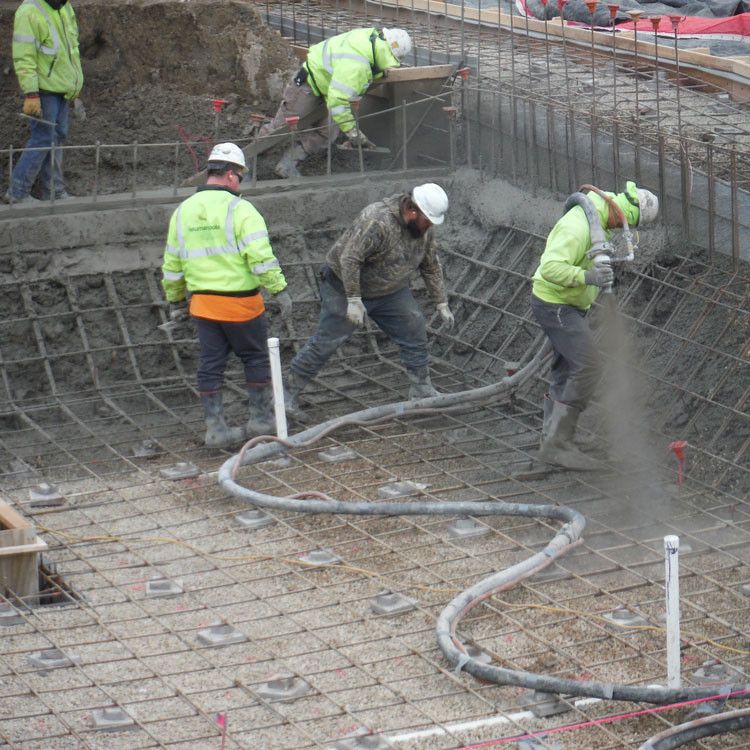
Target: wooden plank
<point>19,568</point>
<point>418,73</point>
<point>15,529</point>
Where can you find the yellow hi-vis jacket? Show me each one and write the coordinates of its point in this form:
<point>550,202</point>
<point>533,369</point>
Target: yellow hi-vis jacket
<point>45,49</point>
<point>218,244</point>
<point>559,278</point>
<point>343,67</point>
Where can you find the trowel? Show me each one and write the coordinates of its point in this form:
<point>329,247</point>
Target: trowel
<point>348,147</point>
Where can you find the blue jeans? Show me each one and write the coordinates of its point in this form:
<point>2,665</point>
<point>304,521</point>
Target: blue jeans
<point>576,366</point>
<point>396,314</point>
<point>37,163</point>
<point>247,339</point>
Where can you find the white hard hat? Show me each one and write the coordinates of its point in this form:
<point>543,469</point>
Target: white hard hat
<point>648,205</point>
<point>399,41</point>
<point>230,153</point>
<point>431,201</point>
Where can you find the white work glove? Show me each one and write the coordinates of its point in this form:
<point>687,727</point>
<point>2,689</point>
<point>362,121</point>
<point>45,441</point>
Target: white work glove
<point>79,111</point>
<point>355,311</point>
<point>358,138</point>
<point>600,275</point>
<point>179,311</point>
<point>284,301</point>
<point>446,314</point>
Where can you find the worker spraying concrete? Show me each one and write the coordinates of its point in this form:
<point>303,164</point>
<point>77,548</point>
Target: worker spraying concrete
<point>575,266</point>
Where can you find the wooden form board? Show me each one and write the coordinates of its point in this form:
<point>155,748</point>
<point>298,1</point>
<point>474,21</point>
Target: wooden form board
<point>19,553</point>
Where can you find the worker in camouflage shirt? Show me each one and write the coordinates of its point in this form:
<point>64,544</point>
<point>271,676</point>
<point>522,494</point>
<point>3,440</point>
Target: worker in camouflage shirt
<point>367,273</point>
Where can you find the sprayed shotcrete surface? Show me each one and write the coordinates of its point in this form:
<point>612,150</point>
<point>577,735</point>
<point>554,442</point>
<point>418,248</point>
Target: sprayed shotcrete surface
<point>89,382</point>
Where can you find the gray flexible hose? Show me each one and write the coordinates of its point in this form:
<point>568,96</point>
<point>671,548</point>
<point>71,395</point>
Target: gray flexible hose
<point>707,726</point>
<point>567,536</point>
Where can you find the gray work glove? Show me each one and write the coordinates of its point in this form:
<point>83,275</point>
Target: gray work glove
<point>179,311</point>
<point>446,314</point>
<point>600,275</point>
<point>358,138</point>
<point>355,311</point>
<point>284,302</point>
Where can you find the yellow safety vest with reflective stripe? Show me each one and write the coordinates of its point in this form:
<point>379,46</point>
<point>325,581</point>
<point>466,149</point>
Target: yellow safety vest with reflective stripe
<point>343,67</point>
<point>45,49</point>
<point>218,242</point>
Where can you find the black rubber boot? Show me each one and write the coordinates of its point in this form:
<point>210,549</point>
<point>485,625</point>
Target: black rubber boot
<point>262,419</point>
<point>557,445</point>
<point>218,435</point>
<point>548,404</point>
<point>295,384</point>
<point>421,385</point>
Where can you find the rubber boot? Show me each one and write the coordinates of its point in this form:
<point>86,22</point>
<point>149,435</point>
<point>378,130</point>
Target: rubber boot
<point>287,165</point>
<point>262,419</point>
<point>295,384</point>
<point>421,385</point>
<point>548,404</point>
<point>558,447</point>
<point>218,435</point>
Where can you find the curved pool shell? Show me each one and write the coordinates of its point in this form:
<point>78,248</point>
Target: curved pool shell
<point>98,401</point>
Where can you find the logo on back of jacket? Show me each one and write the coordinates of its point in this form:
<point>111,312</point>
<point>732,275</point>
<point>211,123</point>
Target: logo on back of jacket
<point>204,229</point>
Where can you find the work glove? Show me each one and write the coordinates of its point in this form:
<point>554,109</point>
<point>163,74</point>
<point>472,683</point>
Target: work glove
<point>284,302</point>
<point>358,138</point>
<point>446,314</point>
<point>600,275</point>
<point>355,311</point>
<point>32,105</point>
<point>179,311</point>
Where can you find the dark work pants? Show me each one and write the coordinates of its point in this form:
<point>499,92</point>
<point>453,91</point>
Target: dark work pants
<point>576,367</point>
<point>247,339</point>
<point>397,315</point>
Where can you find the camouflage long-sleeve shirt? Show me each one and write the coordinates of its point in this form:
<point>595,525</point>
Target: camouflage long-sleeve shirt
<point>377,254</point>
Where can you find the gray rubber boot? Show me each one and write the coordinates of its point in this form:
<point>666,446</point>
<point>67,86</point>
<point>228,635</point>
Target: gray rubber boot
<point>287,165</point>
<point>548,404</point>
<point>218,435</point>
<point>558,447</point>
<point>262,419</point>
<point>294,385</point>
<point>421,385</point>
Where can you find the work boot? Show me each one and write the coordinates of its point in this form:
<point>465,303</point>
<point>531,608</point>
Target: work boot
<point>27,199</point>
<point>557,444</point>
<point>218,435</point>
<point>421,385</point>
<point>295,383</point>
<point>287,165</point>
<point>262,419</point>
<point>548,404</point>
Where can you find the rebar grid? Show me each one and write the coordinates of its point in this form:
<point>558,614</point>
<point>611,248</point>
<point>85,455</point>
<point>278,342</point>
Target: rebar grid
<point>110,382</point>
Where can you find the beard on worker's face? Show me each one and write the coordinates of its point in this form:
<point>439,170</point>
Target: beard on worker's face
<point>413,228</point>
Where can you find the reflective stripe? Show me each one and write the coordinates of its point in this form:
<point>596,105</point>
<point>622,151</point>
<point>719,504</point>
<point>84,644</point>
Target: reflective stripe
<point>229,226</point>
<point>340,109</point>
<point>172,250</point>
<point>52,30</point>
<point>173,275</point>
<point>327,58</point>
<point>25,39</point>
<point>343,87</point>
<point>263,267</point>
<point>351,56</point>
<point>245,241</point>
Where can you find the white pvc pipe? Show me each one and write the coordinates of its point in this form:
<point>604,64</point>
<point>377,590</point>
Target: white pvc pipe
<point>278,388</point>
<point>671,559</point>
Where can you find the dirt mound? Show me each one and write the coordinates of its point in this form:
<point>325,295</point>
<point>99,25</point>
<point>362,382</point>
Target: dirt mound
<point>150,72</point>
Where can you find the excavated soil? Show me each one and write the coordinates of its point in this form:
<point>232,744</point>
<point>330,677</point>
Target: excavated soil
<point>143,82</point>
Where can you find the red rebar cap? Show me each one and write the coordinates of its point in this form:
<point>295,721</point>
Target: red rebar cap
<point>613,8</point>
<point>678,448</point>
<point>675,21</point>
<point>561,4</point>
<point>655,21</point>
<point>292,122</point>
<point>218,104</point>
<point>591,5</point>
<point>257,118</point>
<point>464,73</point>
<point>451,111</point>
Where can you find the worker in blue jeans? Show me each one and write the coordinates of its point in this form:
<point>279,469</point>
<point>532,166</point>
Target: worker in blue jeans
<point>47,62</point>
